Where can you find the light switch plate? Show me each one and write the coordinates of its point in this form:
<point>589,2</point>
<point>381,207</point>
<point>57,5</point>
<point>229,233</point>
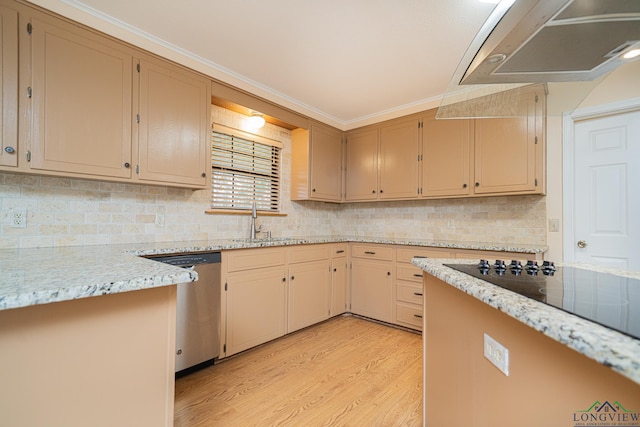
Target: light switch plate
<point>497,354</point>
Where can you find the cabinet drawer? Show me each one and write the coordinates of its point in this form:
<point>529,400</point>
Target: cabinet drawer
<point>409,293</point>
<point>383,253</point>
<point>406,254</point>
<point>247,259</point>
<point>304,253</point>
<point>409,315</point>
<point>409,272</point>
<point>339,250</point>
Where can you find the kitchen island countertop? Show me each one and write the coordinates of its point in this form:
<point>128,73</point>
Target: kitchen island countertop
<point>611,348</point>
<point>43,275</point>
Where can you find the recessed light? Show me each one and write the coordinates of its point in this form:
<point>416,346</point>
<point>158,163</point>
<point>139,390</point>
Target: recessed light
<point>631,54</point>
<point>494,59</point>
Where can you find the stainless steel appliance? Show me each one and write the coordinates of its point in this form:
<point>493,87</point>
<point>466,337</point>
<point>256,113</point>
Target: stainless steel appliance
<point>608,299</point>
<point>198,311</point>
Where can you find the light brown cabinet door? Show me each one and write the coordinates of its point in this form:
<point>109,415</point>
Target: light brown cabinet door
<point>505,150</point>
<point>361,178</point>
<point>9,88</point>
<point>309,294</point>
<point>174,125</point>
<point>256,307</point>
<point>372,289</point>
<point>399,171</point>
<point>81,103</point>
<point>326,163</point>
<point>446,156</point>
<point>338,286</point>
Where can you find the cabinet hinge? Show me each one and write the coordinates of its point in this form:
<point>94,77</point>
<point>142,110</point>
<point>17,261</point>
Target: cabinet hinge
<point>536,139</point>
<point>29,28</point>
<point>536,182</point>
<point>224,348</point>
<point>536,98</point>
<point>138,67</point>
<point>29,92</point>
<point>419,190</point>
<point>419,124</point>
<point>226,286</point>
<point>28,155</point>
<point>137,169</point>
<point>137,118</point>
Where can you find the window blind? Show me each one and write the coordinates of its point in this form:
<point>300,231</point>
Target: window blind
<point>243,172</point>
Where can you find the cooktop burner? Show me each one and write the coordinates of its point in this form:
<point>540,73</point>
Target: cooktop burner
<point>607,299</point>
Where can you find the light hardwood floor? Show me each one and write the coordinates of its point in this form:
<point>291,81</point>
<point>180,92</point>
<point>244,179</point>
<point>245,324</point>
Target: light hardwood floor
<point>343,372</point>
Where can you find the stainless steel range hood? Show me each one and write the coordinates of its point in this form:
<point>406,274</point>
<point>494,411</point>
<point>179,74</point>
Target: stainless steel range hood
<point>543,41</point>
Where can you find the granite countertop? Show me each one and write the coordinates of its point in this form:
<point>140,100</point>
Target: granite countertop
<point>45,275</point>
<point>616,350</point>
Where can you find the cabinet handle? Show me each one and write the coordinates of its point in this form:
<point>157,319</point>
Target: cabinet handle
<point>477,184</point>
<point>417,275</point>
<point>418,294</point>
<point>464,185</point>
<point>340,251</point>
<point>9,150</point>
<point>204,175</point>
<point>418,316</point>
<point>127,165</point>
<point>369,253</point>
<point>284,279</point>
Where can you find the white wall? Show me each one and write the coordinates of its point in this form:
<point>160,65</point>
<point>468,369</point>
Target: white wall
<point>564,98</point>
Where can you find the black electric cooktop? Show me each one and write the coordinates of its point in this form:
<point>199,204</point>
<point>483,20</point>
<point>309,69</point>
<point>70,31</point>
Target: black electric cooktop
<point>610,300</point>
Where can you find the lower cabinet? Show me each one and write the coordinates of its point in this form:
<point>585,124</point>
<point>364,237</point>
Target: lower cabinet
<point>372,292</point>
<point>309,294</point>
<point>256,310</point>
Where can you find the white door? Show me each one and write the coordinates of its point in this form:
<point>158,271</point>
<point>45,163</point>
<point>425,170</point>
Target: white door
<point>606,191</point>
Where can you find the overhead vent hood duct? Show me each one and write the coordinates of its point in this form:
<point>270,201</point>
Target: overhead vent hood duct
<point>542,41</point>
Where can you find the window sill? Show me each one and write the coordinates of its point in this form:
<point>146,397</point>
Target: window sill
<point>240,212</point>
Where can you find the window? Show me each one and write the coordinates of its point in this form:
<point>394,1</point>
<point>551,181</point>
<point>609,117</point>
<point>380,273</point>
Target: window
<point>245,169</point>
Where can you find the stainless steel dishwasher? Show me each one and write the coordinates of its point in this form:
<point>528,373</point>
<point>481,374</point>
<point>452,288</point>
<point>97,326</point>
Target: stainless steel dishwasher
<point>197,311</point>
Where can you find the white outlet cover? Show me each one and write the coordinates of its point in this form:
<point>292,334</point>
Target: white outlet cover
<point>497,354</point>
<point>18,218</point>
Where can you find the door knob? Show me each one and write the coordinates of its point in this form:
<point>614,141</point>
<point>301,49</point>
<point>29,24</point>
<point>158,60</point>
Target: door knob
<point>582,244</point>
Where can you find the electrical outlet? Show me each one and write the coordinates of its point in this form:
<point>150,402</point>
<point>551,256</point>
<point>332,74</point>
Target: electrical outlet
<point>497,354</point>
<point>18,218</point>
<point>554,225</point>
<point>160,220</point>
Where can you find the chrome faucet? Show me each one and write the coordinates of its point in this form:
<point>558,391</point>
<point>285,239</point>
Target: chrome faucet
<point>254,215</point>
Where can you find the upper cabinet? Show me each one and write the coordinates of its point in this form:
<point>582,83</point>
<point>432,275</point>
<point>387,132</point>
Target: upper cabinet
<point>398,160</point>
<point>316,163</point>
<point>174,124</point>
<point>382,161</point>
<point>446,156</point>
<point>93,107</point>
<point>509,151</point>
<point>361,170</point>
<point>81,101</point>
<point>9,85</point>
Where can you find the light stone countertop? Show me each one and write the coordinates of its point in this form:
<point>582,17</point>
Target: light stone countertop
<point>45,275</point>
<point>616,350</point>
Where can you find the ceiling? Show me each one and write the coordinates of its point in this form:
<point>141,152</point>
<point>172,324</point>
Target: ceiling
<point>344,62</point>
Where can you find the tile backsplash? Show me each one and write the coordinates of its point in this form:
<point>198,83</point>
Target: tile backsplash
<point>70,211</point>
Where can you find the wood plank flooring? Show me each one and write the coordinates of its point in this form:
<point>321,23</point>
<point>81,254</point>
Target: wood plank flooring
<point>343,372</point>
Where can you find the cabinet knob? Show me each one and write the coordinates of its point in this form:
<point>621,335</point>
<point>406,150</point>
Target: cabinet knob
<point>127,165</point>
<point>477,184</point>
<point>335,269</point>
<point>284,279</point>
<point>313,191</point>
<point>293,277</point>
<point>179,351</point>
<point>373,191</point>
<point>10,150</point>
<point>204,175</point>
<point>381,191</point>
<point>464,185</point>
<point>388,273</point>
